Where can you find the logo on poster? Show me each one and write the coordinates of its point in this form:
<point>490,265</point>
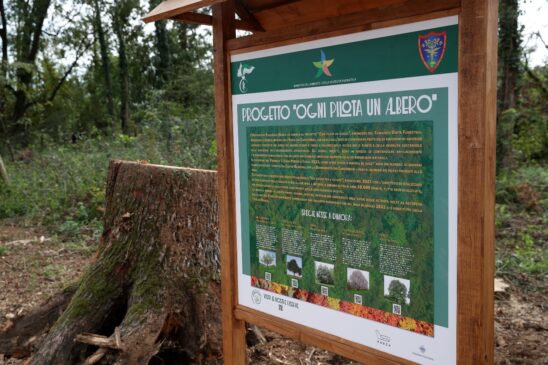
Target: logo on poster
<point>323,65</point>
<point>244,70</point>
<point>383,339</point>
<point>256,296</point>
<point>432,49</point>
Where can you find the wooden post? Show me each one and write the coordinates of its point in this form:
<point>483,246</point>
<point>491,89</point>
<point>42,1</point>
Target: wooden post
<point>234,346</point>
<point>476,217</point>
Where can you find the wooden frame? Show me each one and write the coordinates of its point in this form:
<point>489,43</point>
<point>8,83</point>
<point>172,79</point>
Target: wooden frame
<point>171,8</point>
<point>476,182</point>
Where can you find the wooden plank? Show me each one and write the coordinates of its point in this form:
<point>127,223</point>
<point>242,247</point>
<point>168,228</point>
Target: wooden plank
<point>344,23</point>
<point>306,11</point>
<point>317,338</point>
<point>204,19</point>
<point>476,223</point>
<point>246,16</point>
<point>170,8</point>
<point>360,28</point>
<point>261,5</point>
<point>234,345</point>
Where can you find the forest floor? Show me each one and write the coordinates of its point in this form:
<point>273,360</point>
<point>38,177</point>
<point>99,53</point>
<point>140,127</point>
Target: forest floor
<point>34,265</point>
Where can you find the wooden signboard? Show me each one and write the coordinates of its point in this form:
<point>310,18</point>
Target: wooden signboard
<point>345,155</point>
<point>356,176</point>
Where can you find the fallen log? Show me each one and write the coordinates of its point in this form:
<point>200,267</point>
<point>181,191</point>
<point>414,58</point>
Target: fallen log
<point>154,287</point>
<point>19,337</point>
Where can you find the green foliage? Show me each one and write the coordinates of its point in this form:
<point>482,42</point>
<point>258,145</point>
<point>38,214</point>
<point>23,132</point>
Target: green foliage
<point>522,221</point>
<point>3,250</point>
<point>397,292</point>
<point>64,185</point>
<point>530,133</point>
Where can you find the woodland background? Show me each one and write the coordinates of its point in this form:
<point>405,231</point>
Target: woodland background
<point>84,81</point>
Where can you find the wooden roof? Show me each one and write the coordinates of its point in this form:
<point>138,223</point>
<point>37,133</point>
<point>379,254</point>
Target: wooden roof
<point>171,8</point>
<point>269,16</point>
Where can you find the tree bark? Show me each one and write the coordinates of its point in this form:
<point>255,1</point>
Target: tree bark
<point>155,281</point>
<point>27,50</point>
<point>4,34</point>
<point>124,85</point>
<point>105,61</point>
<point>4,172</point>
<point>163,60</point>
<point>510,52</point>
<point>119,19</point>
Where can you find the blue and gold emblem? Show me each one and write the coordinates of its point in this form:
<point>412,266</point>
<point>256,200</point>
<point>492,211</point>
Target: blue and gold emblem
<point>432,49</point>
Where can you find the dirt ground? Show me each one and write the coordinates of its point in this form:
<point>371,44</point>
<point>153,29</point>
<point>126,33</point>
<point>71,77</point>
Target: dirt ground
<point>34,265</point>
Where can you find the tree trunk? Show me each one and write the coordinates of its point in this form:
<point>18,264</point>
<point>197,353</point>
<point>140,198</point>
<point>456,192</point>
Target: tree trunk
<point>154,286</point>
<point>27,50</point>
<point>3,172</point>
<point>510,52</point>
<point>124,76</point>
<point>162,48</point>
<point>105,62</point>
<point>4,34</point>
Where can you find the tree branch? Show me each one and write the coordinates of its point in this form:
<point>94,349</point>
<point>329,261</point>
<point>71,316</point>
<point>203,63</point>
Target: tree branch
<point>86,46</point>
<point>40,11</point>
<point>82,49</point>
<point>539,36</point>
<point>540,83</point>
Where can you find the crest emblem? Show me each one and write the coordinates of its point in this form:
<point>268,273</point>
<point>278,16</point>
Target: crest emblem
<point>244,70</point>
<point>432,49</point>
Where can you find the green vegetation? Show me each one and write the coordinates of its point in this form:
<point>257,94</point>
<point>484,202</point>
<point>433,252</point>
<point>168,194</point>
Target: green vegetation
<point>522,222</point>
<point>522,156</point>
<point>64,186</point>
<point>122,92</point>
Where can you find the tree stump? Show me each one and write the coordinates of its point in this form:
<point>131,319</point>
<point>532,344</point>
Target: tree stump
<point>153,290</point>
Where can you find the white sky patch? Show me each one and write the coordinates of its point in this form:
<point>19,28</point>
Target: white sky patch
<point>534,18</point>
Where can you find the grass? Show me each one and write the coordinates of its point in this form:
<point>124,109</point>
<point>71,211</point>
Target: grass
<point>3,250</point>
<point>63,187</point>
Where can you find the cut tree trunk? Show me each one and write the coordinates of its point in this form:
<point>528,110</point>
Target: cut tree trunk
<point>153,289</point>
